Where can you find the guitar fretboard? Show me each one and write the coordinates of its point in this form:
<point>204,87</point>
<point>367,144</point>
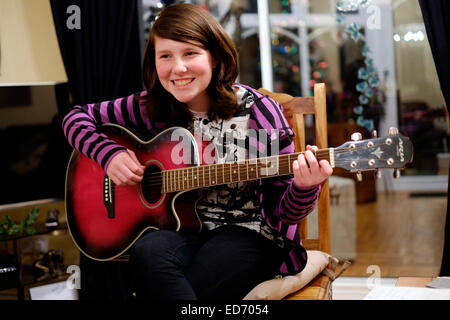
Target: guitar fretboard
<point>223,173</point>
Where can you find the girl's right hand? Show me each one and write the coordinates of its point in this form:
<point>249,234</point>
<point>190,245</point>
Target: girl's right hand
<point>125,169</point>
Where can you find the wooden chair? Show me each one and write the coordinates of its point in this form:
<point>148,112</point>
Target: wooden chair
<point>295,110</point>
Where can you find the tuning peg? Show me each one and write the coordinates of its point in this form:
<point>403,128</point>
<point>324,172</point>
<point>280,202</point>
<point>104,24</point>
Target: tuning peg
<point>396,173</point>
<point>356,136</point>
<point>374,134</point>
<point>359,176</point>
<point>393,131</point>
<point>377,174</point>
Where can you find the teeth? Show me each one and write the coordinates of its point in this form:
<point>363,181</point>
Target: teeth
<point>182,82</point>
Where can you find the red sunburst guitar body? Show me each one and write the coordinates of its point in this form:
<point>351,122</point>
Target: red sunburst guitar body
<point>104,219</point>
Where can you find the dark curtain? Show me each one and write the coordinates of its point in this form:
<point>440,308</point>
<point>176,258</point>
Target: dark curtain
<point>103,61</point>
<point>436,15</point>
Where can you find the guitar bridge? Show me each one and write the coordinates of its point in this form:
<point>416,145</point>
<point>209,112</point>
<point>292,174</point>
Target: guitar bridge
<point>108,196</point>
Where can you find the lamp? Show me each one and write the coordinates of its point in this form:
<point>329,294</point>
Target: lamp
<point>29,50</point>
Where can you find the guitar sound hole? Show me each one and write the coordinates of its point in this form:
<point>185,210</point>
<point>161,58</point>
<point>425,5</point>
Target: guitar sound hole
<point>152,184</point>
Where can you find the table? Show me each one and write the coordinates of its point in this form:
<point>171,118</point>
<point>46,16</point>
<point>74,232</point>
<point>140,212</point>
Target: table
<point>413,281</point>
<point>41,229</point>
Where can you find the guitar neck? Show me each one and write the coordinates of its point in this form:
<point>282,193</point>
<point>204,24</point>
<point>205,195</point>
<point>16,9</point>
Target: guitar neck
<point>217,174</point>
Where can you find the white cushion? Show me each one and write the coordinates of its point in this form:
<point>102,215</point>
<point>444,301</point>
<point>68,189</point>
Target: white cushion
<point>278,288</point>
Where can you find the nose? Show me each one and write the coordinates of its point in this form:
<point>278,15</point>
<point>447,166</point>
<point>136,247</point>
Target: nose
<point>179,66</point>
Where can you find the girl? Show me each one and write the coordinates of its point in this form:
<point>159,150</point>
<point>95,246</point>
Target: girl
<point>249,229</point>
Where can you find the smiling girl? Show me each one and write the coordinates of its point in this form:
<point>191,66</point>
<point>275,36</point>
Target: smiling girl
<point>249,229</point>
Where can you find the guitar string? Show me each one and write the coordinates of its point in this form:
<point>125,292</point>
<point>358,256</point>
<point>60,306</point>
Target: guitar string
<point>231,166</point>
<point>325,156</point>
<point>175,179</point>
<point>156,178</point>
<point>175,183</point>
<point>320,153</point>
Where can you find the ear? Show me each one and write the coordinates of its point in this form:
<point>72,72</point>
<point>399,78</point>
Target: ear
<point>214,63</point>
<point>215,60</point>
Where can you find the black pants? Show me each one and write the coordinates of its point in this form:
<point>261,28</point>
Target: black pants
<point>225,263</point>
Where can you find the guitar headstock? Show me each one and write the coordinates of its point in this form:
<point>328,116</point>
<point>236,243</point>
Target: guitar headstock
<point>394,151</point>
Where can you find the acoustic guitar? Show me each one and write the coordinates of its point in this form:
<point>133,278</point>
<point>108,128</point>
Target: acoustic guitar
<point>105,219</point>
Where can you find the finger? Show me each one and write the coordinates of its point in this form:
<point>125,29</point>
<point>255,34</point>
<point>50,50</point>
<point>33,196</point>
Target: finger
<point>303,165</point>
<point>325,167</point>
<point>312,161</point>
<point>137,168</point>
<point>295,168</point>
<point>123,176</point>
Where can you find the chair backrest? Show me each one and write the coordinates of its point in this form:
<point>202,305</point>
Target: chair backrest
<point>295,109</point>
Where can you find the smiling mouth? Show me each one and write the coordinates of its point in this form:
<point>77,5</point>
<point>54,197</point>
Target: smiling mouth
<point>181,83</point>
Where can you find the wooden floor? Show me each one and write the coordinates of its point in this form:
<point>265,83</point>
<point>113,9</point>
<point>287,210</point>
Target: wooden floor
<point>400,235</point>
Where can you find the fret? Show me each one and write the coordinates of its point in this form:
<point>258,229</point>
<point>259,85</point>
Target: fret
<point>215,182</point>
<point>203,175</point>
<point>209,174</point>
<point>239,173</point>
<point>267,170</point>
<point>193,176</point>
<point>182,178</point>
<point>174,184</point>
<point>246,162</point>
<point>252,171</point>
<point>169,187</point>
<point>234,172</point>
<point>242,171</point>
<point>168,181</point>
<point>229,167</point>
<point>172,180</point>
<point>197,176</point>
<point>223,173</point>
<point>289,163</point>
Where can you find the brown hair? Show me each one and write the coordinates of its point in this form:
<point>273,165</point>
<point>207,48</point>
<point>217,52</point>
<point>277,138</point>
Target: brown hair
<point>192,24</point>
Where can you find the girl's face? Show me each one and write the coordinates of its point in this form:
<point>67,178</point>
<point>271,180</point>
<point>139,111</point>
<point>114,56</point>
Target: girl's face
<point>184,70</point>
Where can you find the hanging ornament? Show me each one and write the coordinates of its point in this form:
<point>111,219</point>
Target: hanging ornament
<point>368,93</point>
<point>353,31</point>
<point>367,75</point>
<point>362,74</point>
<point>362,86</point>
<point>351,5</point>
<point>358,109</point>
<point>363,99</point>
<point>368,124</point>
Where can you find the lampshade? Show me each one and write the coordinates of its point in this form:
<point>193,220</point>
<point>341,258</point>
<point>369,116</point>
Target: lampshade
<point>29,50</point>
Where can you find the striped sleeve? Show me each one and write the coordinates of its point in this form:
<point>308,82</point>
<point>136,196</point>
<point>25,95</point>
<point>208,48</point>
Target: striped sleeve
<point>80,126</point>
<point>280,197</point>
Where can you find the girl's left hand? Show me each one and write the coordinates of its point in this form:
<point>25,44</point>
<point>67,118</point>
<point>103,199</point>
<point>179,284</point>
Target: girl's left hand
<point>308,171</point>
